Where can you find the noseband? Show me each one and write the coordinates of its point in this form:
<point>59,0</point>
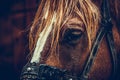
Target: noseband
<point>32,71</point>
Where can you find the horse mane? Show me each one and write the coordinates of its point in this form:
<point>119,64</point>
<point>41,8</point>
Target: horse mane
<point>61,9</point>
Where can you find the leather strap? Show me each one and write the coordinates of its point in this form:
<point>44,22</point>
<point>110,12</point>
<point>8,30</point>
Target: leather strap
<point>110,41</point>
<point>105,29</point>
<point>93,54</point>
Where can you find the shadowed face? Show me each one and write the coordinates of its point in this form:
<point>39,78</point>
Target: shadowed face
<point>73,47</point>
<point>65,34</point>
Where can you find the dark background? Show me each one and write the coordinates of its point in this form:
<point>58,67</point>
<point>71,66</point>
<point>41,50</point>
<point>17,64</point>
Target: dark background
<point>16,17</point>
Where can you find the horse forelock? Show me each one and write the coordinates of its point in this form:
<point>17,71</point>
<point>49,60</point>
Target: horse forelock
<point>53,14</point>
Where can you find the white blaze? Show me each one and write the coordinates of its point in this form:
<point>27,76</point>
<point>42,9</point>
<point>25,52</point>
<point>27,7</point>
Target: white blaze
<point>41,41</point>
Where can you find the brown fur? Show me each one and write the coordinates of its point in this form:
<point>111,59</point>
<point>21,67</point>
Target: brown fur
<point>73,57</point>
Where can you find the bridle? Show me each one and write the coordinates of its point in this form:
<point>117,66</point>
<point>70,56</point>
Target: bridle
<point>33,71</point>
<point>105,30</point>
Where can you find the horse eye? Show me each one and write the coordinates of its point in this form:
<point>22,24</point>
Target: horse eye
<point>72,36</point>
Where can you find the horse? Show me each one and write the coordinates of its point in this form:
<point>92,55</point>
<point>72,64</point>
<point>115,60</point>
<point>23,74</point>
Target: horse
<point>74,40</point>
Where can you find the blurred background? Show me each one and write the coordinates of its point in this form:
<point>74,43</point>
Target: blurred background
<point>16,17</point>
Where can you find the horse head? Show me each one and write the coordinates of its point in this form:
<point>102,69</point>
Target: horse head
<point>61,39</point>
